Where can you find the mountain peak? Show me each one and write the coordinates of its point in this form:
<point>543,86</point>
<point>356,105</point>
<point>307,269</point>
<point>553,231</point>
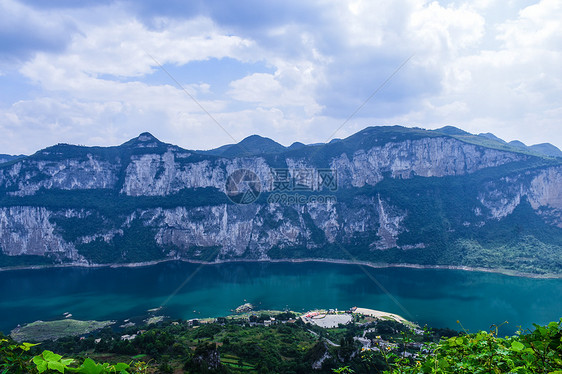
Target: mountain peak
<point>489,135</point>
<point>547,149</point>
<point>147,137</point>
<point>452,130</point>
<point>258,140</point>
<point>296,145</point>
<point>144,140</point>
<point>517,144</point>
<point>254,145</point>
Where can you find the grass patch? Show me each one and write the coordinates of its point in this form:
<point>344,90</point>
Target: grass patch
<point>237,362</point>
<point>52,330</point>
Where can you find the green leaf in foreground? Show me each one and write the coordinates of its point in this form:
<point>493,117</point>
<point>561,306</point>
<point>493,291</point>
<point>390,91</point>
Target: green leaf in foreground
<point>90,367</point>
<point>517,346</point>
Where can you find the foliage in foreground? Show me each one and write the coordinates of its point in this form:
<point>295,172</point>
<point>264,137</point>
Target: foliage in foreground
<point>229,347</point>
<point>537,351</point>
<point>16,359</point>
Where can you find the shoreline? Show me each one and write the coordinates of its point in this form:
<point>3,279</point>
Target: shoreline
<point>373,265</point>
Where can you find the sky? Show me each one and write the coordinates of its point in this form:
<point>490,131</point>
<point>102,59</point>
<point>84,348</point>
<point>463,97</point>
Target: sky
<point>203,73</point>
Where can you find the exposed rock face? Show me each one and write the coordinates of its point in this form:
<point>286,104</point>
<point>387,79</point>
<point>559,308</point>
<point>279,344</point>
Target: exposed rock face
<point>542,188</point>
<point>27,230</point>
<point>161,174</point>
<point>390,225</point>
<point>430,157</point>
<point>235,230</point>
<point>361,217</point>
<point>27,177</point>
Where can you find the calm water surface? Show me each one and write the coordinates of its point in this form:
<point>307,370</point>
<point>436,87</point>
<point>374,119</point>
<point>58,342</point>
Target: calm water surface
<point>435,297</point>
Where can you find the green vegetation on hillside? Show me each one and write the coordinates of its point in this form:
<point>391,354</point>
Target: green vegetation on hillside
<point>445,221</point>
<point>241,346</point>
<point>110,203</point>
<point>537,351</point>
<point>440,213</point>
<point>52,330</point>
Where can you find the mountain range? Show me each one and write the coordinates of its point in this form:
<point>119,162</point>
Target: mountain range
<point>385,195</point>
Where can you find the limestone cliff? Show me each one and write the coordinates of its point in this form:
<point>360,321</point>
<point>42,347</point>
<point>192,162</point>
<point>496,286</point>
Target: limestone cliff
<point>399,195</point>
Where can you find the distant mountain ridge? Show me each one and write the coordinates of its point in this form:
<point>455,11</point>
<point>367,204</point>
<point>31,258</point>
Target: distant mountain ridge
<point>6,158</point>
<point>255,145</point>
<point>546,149</point>
<point>491,136</point>
<point>543,149</point>
<point>397,196</point>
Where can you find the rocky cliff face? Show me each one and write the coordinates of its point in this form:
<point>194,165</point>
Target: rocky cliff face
<point>399,197</point>
<point>542,188</point>
<point>429,157</point>
<point>30,175</point>
<point>161,174</point>
<point>29,231</point>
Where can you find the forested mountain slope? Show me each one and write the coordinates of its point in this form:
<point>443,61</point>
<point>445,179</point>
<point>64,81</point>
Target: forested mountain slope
<point>383,195</point>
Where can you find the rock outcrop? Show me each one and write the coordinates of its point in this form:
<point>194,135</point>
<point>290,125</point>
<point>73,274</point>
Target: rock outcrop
<point>86,205</point>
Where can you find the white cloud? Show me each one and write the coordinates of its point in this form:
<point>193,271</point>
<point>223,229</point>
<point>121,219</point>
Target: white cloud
<point>124,48</point>
<point>83,87</point>
<point>516,87</point>
<point>24,30</point>
<point>474,66</point>
<point>537,27</point>
<point>292,87</point>
<point>83,97</point>
<point>444,31</point>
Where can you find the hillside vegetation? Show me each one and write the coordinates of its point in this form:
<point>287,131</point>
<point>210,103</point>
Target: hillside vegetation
<point>247,346</point>
<point>401,196</point>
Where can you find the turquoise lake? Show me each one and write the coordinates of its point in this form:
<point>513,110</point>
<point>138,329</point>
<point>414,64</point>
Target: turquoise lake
<point>427,296</point>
